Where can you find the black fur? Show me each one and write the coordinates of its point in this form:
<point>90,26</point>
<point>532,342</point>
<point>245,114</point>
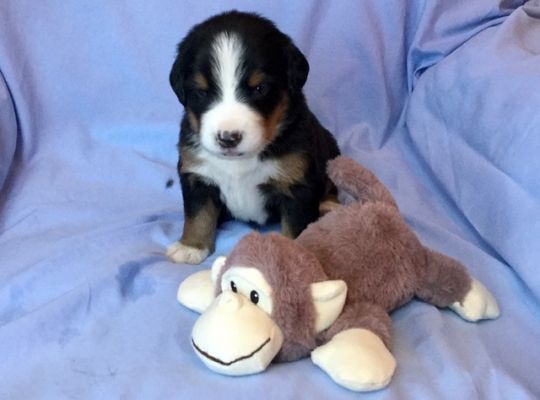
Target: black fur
<point>286,70</point>
<point>302,134</point>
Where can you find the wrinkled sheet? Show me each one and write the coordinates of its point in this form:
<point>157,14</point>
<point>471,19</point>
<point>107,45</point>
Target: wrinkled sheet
<point>439,99</point>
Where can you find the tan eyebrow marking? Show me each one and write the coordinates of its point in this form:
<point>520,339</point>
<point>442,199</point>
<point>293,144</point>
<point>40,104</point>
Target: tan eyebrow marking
<point>256,78</point>
<point>200,81</point>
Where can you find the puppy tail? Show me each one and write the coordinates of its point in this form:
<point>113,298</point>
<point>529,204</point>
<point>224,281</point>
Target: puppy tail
<point>358,181</point>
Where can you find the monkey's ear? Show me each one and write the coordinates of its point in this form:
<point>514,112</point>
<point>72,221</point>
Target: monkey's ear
<point>217,266</point>
<point>328,299</point>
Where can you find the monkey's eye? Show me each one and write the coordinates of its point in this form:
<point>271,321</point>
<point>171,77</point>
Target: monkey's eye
<point>254,297</point>
<point>233,287</point>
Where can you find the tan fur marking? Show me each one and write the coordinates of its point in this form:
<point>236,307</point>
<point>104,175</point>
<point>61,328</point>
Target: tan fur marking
<point>271,123</point>
<point>200,231</point>
<point>200,81</point>
<point>292,171</point>
<point>328,203</point>
<point>293,168</point>
<point>256,78</point>
<point>193,120</point>
<point>286,228</point>
<point>188,159</point>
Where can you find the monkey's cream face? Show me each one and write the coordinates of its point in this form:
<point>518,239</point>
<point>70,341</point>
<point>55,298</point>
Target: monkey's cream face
<point>235,335</point>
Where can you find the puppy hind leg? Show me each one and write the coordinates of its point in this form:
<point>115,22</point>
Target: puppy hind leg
<point>328,203</point>
<point>297,213</point>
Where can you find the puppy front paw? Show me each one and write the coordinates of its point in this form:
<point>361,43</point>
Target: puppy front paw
<point>183,254</point>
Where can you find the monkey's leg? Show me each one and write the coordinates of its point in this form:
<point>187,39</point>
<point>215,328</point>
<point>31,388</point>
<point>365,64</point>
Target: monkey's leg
<point>478,304</point>
<point>446,283</point>
<point>357,357</point>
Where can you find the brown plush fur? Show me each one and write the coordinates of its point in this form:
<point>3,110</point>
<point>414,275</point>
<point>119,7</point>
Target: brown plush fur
<point>276,257</point>
<point>369,246</point>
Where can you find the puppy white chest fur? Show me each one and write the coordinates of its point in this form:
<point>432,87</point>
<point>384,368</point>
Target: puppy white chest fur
<point>238,181</point>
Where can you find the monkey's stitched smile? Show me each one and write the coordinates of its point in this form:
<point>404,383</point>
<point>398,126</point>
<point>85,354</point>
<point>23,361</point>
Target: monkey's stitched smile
<point>217,360</point>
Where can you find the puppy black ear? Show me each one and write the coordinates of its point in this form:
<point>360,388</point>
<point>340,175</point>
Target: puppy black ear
<point>176,78</point>
<point>298,68</point>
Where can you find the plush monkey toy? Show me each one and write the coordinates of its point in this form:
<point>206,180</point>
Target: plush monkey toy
<point>327,293</point>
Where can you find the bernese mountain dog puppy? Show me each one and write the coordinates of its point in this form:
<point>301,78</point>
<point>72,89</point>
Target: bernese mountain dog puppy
<point>249,146</point>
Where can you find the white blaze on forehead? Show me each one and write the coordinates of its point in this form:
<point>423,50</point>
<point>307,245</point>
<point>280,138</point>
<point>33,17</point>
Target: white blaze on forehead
<point>227,52</point>
<point>230,112</point>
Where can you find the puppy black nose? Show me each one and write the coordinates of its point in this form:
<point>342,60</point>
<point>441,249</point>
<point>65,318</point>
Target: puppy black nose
<point>229,139</point>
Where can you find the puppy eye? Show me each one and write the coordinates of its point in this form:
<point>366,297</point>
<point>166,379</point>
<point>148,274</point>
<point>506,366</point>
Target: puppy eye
<point>261,89</point>
<point>254,297</point>
<point>233,287</point>
<point>200,93</point>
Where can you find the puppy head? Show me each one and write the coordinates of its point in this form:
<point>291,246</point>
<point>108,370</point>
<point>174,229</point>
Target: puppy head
<point>236,75</point>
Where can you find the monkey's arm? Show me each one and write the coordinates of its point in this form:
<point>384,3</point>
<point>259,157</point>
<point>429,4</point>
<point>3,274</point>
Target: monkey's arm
<point>196,292</point>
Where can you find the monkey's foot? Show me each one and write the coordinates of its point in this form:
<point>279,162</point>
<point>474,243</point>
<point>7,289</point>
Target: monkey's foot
<point>478,304</point>
<point>182,254</point>
<point>356,359</point>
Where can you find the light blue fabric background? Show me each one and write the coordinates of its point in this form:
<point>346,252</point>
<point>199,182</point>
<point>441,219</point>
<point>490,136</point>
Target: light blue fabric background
<point>440,99</point>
